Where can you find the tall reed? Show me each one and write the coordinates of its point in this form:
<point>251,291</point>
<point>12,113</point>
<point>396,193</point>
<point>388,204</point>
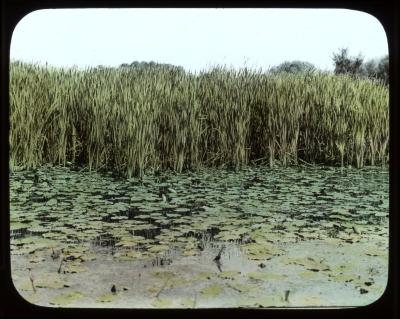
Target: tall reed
<point>135,119</point>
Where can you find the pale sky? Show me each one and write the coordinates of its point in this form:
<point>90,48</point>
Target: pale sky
<point>195,38</point>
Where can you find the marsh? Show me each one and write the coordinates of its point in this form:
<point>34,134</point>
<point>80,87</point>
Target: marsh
<point>295,236</point>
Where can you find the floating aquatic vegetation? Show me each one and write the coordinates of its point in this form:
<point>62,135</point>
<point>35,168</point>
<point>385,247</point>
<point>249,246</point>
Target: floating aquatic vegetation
<point>36,259</point>
<point>66,299</point>
<point>50,280</point>
<point>162,303</point>
<point>269,300</point>
<point>257,213</point>
<point>187,303</point>
<point>158,248</point>
<point>74,267</point>
<point>266,276</point>
<point>243,288</point>
<point>261,251</point>
<point>309,263</point>
<point>212,291</point>
<point>106,298</point>
<point>229,274</point>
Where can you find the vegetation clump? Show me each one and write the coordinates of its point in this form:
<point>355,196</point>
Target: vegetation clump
<point>132,119</point>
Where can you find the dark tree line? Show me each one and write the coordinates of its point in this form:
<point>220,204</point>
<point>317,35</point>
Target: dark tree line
<point>293,67</point>
<point>343,63</point>
<point>355,66</point>
<point>152,64</point>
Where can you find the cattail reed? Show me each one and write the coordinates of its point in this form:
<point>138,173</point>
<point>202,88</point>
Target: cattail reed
<point>133,120</point>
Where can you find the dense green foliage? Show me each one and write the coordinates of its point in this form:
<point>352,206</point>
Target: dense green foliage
<point>356,66</point>
<point>344,64</point>
<point>378,69</point>
<point>152,65</point>
<point>133,119</point>
<point>293,67</point>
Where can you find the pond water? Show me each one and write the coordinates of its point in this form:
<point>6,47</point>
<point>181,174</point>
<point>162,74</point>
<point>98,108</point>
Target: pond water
<point>258,237</point>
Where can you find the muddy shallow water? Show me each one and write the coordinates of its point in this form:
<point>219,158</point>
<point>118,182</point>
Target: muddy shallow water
<point>258,237</point>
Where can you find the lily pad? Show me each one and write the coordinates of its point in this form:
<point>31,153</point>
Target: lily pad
<point>36,259</point>
<point>165,275</point>
<point>260,251</point>
<point>229,274</point>
<point>265,302</point>
<point>187,303</point>
<point>162,303</point>
<point>130,255</point>
<point>33,298</point>
<point>309,263</point>
<point>106,298</point>
<point>50,280</point>
<point>266,276</point>
<point>158,248</point>
<point>243,288</point>
<point>24,285</point>
<point>212,291</point>
<point>66,299</point>
<point>310,301</point>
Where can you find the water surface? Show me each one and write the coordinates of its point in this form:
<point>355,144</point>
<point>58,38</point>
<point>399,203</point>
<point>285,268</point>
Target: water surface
<point>287,237</point>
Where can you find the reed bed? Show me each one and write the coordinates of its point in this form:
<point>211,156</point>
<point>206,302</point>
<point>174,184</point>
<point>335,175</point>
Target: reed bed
<point>133,120</point>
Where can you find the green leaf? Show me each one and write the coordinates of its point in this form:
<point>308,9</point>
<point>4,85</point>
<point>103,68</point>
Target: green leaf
<point>66,299</point>
<point>212,291</point>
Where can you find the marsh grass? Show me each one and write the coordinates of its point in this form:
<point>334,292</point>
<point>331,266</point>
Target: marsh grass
<point>132,120</point>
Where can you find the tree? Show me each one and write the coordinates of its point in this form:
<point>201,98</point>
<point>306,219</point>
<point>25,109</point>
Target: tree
<point>377,69</point>
<point>152,65</point>
<point>293,67</point>
<point>381,71</point>
<point>369,68</point>
<point>345,64</point>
